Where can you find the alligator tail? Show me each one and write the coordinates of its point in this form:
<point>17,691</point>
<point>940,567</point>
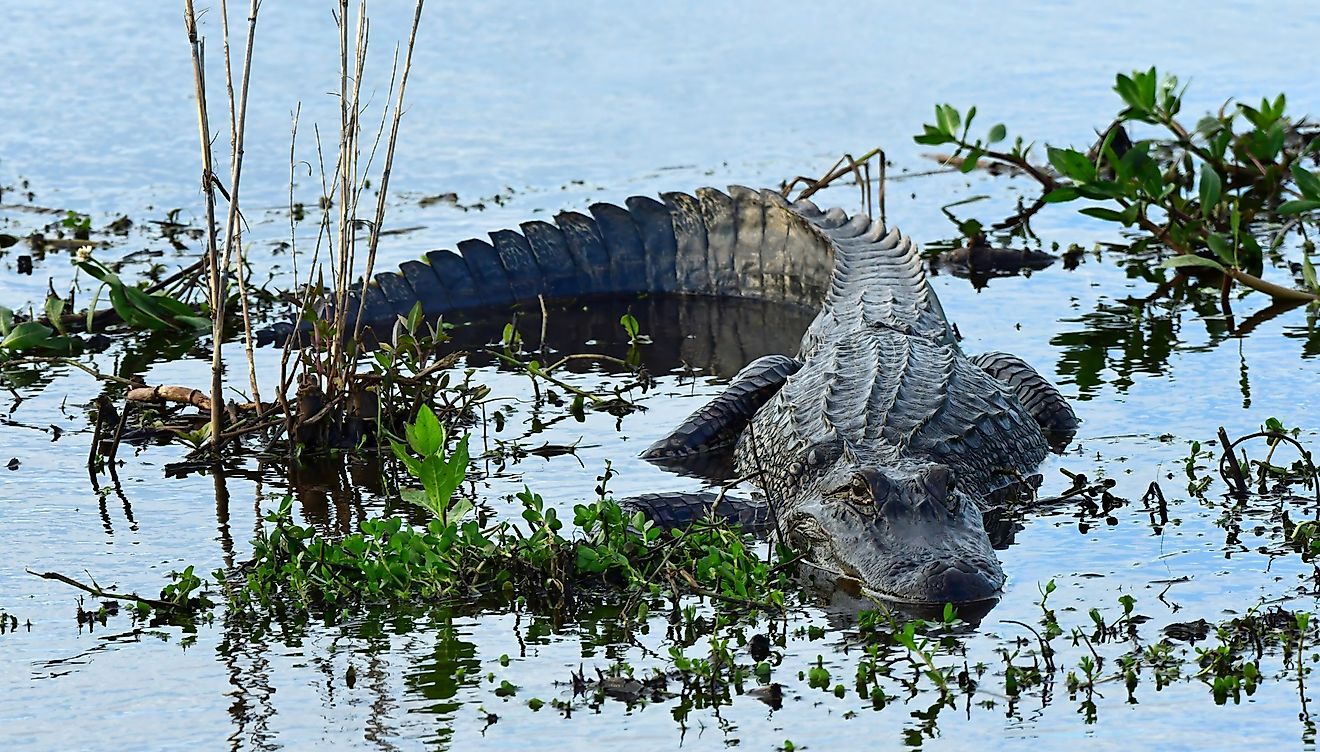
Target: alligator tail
<point>744,243</point>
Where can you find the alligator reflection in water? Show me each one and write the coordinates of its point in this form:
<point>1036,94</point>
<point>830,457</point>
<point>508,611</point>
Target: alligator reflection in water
<point>717,336</point>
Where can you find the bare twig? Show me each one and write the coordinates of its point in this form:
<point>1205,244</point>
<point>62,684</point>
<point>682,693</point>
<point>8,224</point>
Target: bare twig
<point>98,592</point>
<point>846,165</point>
<point>1234,472</point>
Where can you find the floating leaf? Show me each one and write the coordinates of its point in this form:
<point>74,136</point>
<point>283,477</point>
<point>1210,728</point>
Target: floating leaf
<point>26,336</point>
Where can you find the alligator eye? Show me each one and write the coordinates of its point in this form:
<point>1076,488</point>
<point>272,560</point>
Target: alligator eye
<point>951,502</point>
<point>860,488</point>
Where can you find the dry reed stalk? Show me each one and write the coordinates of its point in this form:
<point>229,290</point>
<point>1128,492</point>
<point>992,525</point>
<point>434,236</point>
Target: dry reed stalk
<point>286,374</point>
<point>342,188</point>
<point>389,160</point>
<point>214,285</point>
<point>232,245</point>
<point>233,231</point>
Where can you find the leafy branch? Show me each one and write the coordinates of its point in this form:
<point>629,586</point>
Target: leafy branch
<point>1201,192</point>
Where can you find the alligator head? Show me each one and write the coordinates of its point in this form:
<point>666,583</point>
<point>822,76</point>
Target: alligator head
<point>906,531</point>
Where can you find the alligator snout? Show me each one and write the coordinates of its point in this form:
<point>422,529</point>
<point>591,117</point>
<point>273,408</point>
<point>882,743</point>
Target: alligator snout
<point>953,583</point>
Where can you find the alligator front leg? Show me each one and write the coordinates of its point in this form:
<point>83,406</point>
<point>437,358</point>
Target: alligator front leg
<point>1041,398</point>
<point>678,510</point>
<point>717,425</point>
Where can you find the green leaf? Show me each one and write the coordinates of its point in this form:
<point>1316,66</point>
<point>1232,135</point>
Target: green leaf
<point>54,311</point>
<point>1101,190</point>
<point>1177,262</point>
<point>1274,139</point>
<point>415,316</point>
<point>434,479</point>
<point>410,462</point>
<point>1211,189</point>
<point>947,118</point>
<point>969,162</point>
<point>1146,86</point>
<point>6,320</point>
<point>459,509</point>
<point>193,322</point>
<point>26,336</point>
<point>629,324</point>
<point>1307,182</point>
<point>425,435</point>
<point>459,461</point>
<point>100,271</point>
<point>1061,195</point>
<point>1219,244</point>
<point>1308,273</point>
<point>125,301</point>
<point>1072,164</point>
<point>1109,215</point>
<point>1127,91</point>
<point>1298,206</point>
<point>933,136</point>
<point>997,133</point>
<point>1253,116</point>
<point>418,497</point>
<point>162,305</point>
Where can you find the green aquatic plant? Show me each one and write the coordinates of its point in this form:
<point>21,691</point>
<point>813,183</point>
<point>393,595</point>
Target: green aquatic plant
<point>31,338</point>
<point>439,471</point>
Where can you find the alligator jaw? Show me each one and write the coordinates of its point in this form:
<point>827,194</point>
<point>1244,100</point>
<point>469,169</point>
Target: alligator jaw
<point>847,593</point>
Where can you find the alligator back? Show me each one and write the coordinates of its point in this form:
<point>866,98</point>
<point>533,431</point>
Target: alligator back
<point>885,396</point>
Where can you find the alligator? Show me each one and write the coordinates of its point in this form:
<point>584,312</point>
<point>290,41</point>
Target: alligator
<point>877,447</point>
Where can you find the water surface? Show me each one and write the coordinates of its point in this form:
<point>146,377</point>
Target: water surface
<point>551,106</point>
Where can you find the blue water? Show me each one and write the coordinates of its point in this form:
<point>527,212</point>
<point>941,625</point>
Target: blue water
<point>552,106</point>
